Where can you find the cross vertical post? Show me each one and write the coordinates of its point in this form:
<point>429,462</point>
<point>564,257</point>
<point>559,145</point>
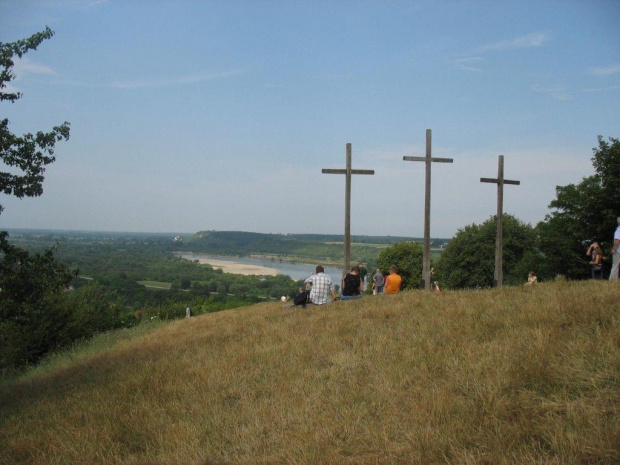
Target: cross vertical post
<point>347,211</point>
<point>348,171</point>
<point>498,280</point>
<point>426,258</point>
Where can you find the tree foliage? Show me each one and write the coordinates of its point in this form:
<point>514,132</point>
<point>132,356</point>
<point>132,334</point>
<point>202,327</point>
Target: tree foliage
<point>29,285</point>
<point>26,281</point>
<point>30,322</point>
<point>469,259</point>
<point>583,213</point>
<point>30,153</point>
<point>407,256</point>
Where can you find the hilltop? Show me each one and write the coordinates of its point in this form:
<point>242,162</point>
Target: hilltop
<point>501,376</point>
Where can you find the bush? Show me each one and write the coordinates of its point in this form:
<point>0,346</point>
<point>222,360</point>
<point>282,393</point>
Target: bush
<point>469,259</point>
<point>407,256</point>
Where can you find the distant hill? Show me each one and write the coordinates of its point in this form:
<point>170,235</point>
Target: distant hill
<point>295,246</point>
<point>502,376</point>
<point>241,238</point>
<point>313,248</point>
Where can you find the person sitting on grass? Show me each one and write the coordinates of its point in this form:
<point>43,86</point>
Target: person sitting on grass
<point>393,281</point>
<point>596,262</point>
<point>531,279</point>
<point>322,287</point>
<point>352,285</point>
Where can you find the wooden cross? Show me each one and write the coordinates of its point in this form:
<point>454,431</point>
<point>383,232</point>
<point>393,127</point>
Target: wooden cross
<point>426,258</point>
<point>347,204</point>
<point>499,240</point>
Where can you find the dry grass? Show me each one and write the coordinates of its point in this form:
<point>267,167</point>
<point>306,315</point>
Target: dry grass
<point>493,377</point>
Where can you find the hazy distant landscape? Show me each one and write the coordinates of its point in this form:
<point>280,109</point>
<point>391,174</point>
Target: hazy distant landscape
<point>304,248</point>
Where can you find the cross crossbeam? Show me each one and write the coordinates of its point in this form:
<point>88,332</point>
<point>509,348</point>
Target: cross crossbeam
<point>342,171</point>
<point>348,172</point>
<point>499,239</point>
<point>428,159</point>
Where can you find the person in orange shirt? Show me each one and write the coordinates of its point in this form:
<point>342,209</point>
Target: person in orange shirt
<point>393,282</point>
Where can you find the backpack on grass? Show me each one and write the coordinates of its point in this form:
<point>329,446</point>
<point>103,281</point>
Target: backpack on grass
<point>302,298</point>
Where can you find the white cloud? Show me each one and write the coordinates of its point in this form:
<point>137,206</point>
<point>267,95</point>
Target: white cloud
<point>535,39</point>
<point>10,89</point>
<point>600,89</point>
<point>79,4</point>
<point>558,92</point>
<point>25,66</point>
<point>468,64</point>
<point>191,79</point>
<point>606,70</point>
<point>93,3</point>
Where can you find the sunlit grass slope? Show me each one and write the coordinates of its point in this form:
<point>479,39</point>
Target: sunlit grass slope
<point>506,376</point>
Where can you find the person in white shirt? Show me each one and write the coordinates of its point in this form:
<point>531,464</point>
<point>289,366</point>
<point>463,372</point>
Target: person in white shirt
<point>322,287</point>
<point>615,252</point>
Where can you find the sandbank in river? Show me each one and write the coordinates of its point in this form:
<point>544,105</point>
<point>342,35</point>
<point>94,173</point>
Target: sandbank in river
<point>233,267</point>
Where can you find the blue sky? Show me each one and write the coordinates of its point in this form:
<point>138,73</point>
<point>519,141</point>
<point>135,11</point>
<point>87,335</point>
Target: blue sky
<point>220,115</point>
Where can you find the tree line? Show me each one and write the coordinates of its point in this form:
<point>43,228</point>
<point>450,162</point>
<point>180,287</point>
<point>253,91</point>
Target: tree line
<point>319,248</point>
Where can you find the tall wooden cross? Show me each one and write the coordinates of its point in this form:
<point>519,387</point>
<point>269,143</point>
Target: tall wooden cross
<point>347,203</point>
<point>426,258</point>
<point>499,240</point>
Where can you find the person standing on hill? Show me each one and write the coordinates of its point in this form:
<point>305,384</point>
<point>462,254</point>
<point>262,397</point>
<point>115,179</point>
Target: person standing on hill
<point>596,260</point>
<point>322,287</point>
<point>393,281</point>
<point>363,272</point>
<point>377,285</point>
<point>615,251</point>
<point>352,285</point>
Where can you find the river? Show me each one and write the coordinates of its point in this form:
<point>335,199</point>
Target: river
<point>295,270</point>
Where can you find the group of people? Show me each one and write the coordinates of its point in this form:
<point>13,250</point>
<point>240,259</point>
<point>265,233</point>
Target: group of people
<point>595,252</point>
<point>386,284</point>
<point>353,285</point>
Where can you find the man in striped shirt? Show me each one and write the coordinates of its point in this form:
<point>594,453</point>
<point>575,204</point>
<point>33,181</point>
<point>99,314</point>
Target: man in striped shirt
<point>322,287</point>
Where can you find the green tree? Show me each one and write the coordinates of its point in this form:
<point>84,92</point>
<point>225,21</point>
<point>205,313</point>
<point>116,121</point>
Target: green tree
<point>222,288</point>
<point>29,153</point>
<point>233,289</point>
<point>29,284</point>
<point>407,256</point>
<point>92,311</point>
<point>583,213</point>
<point>469,259</point>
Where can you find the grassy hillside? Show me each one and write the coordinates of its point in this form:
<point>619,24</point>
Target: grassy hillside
<point>498,377</point>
